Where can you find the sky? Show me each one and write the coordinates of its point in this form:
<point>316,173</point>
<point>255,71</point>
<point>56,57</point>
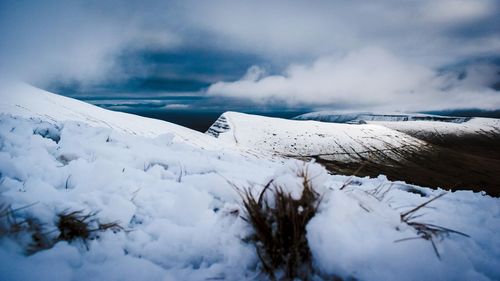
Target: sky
<point>343,55</point>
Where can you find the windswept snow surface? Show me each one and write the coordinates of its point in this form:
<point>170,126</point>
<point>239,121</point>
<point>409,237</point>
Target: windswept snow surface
<point>174,195</point>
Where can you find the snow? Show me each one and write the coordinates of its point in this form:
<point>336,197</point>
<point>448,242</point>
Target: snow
<point>173,190</point>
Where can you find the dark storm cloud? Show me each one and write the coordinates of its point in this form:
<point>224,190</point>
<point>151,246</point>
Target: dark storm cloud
<point>303,45</point>
<point>162,71</point>
<point>203,65</point>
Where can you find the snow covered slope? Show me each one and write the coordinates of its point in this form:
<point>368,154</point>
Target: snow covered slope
<point>27,101</point>
<point>308,138</point>
<point>181,215</point>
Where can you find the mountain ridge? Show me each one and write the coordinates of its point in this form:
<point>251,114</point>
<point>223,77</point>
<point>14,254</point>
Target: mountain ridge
<point>454,155</point>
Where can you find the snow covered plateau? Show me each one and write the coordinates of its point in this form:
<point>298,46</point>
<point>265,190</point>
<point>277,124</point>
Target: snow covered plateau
<point>174,193</point>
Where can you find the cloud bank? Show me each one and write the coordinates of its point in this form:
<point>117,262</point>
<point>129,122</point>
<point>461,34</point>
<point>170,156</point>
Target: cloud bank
<point>367,79</point>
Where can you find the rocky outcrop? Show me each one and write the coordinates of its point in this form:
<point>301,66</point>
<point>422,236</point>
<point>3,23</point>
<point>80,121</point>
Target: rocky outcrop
<point>220,126</point>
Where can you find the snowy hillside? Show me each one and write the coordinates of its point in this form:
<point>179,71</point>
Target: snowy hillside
<point>172,194</point>
<point>24,100</point>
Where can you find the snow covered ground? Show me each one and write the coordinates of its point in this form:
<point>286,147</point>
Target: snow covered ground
<point>172,190</point>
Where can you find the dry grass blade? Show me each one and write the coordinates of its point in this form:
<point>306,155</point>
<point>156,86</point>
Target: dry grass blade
<point>379,192</point>
<point>8,222</point>
<point>349,180</point>
<point>6,210</point>
<point>427,231</point>
<point>406,214</point>
<point>261,195</point>
<point>114,226</point>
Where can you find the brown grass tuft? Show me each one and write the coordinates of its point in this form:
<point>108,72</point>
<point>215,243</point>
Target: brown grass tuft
<point>79,225</point>
<point>279,222</point>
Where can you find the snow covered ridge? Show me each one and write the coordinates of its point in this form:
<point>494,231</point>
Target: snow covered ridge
<point>308,138</point>
<point>182,217</point>
<point>363,117</point>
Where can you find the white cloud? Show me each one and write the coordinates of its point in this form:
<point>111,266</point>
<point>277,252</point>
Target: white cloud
<point>456,11</point>
<point>368,78</point>
<point>177,106</point>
